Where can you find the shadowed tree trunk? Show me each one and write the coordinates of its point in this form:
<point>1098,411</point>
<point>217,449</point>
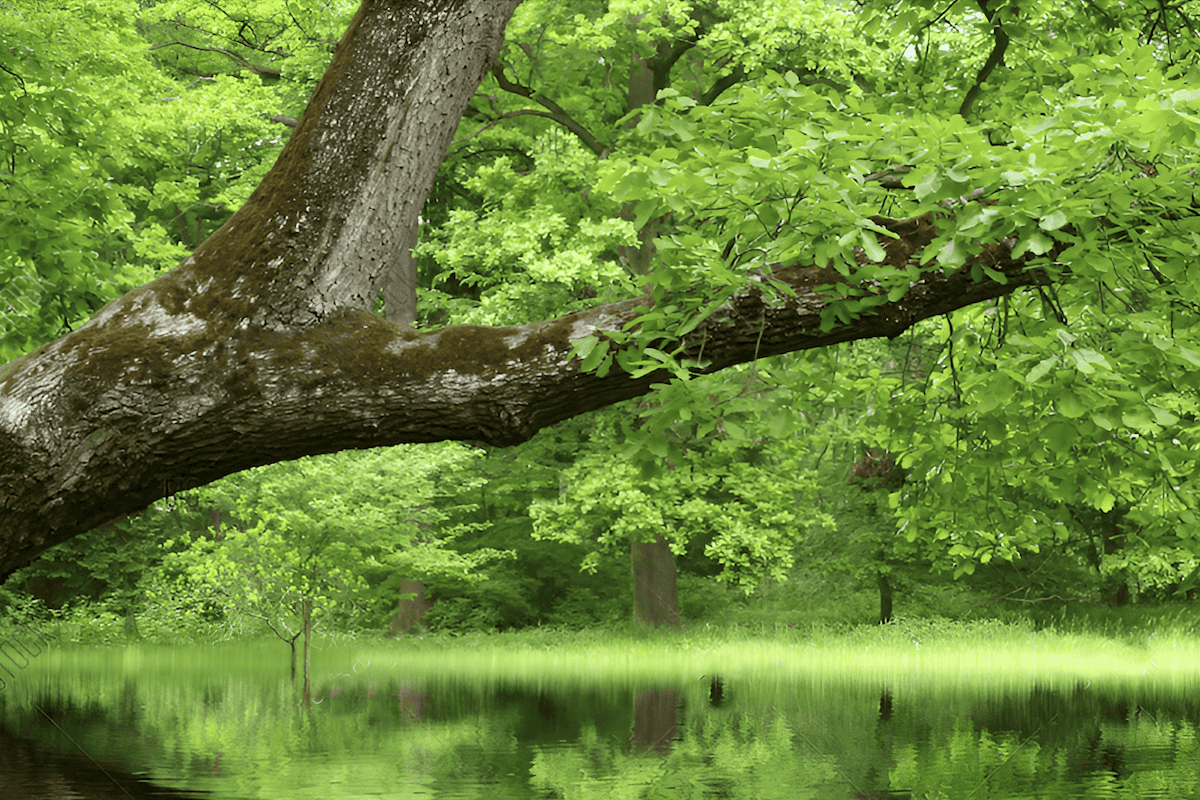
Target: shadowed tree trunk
<point>885,599</point>
<point>410,612</point>
<point>262,347</point>
<point>413,701</point>
<point>655,596</point>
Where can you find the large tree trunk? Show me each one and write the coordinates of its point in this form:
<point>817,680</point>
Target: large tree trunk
<point>655,595</point>
<point>261,346</point>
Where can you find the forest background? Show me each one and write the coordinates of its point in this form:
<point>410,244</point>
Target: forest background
<point>1006,458</point>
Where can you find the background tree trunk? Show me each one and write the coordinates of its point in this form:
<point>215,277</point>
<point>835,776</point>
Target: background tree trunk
<point>410,612</point>
<point>307,611</point>
<point>655,595</point>
<point>885,599</point>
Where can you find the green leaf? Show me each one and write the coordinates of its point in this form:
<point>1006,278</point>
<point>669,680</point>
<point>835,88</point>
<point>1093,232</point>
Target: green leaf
<point>1060,437</point>
<point>1069,405</point>
<point>758,158</point>
<point>1087,359</point>
<point>1141,420</point>
<point>583,347</point>
<point>642,213</point>
<point>1036,243</point>
<point>953,254</point>
<point>595,356</point>
<point>1162,416</point>
<point>796,138</point>
<point>927,185</point>
<point>872,247</point>
<point>1040,371</point>
<point>1053,221</point>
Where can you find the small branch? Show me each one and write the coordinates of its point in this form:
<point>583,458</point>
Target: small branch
<point>995,59</point>
<point>556,111</point>
<point>890,178</point>
<point>524,112</point>
<point>20,80</point>
<point>813,80</point>
<point>721,84</point>
<point>269,72</point>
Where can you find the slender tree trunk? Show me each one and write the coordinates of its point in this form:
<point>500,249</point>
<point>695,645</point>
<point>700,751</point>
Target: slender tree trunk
<point>131,626</point>
<point>307,606</point>
<point>655,595</point>
<point>885,599</point>
<point>413,700</point>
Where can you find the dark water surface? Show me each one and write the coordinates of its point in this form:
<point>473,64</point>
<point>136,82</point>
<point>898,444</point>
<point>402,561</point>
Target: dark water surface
<point>144,728</point>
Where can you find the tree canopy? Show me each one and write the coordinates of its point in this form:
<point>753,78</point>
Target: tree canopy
<point>613,198</point>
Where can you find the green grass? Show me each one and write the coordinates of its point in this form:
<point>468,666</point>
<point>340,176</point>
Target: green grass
<point>924,657</point>
<point>809,606</point>
<point>919,652</point>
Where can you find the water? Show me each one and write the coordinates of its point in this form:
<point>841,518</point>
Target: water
<point>226,724</point>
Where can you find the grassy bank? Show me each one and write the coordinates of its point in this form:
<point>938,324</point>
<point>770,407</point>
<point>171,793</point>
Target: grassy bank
<point>910,656</point>
<point>806,609</point>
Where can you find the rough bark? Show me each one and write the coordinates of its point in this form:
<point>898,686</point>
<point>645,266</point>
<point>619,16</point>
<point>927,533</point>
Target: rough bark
<point>655,591</point>
<point>261,347</point>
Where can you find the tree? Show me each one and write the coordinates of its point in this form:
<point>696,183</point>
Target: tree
<point>1067,161</point>
<point>743,502</point>
<point>317,530</point>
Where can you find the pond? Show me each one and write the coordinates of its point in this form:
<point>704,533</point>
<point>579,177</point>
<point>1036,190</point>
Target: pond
<point>753,719</point>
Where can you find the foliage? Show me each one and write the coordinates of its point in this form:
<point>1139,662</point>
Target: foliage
<point>725,496</point>
<point>315,530</point>
<point>525,243</point>
<point>117,158</point>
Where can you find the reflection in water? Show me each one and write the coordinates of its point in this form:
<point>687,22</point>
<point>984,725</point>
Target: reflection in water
<point>654,720</point>
<point>245,735</point>
<point>30,770</point>
<point>716,691</point>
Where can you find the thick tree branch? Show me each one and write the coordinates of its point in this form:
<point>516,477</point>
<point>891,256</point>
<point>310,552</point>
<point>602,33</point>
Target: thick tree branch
<point>666,54</point>
<point>145,395</point>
